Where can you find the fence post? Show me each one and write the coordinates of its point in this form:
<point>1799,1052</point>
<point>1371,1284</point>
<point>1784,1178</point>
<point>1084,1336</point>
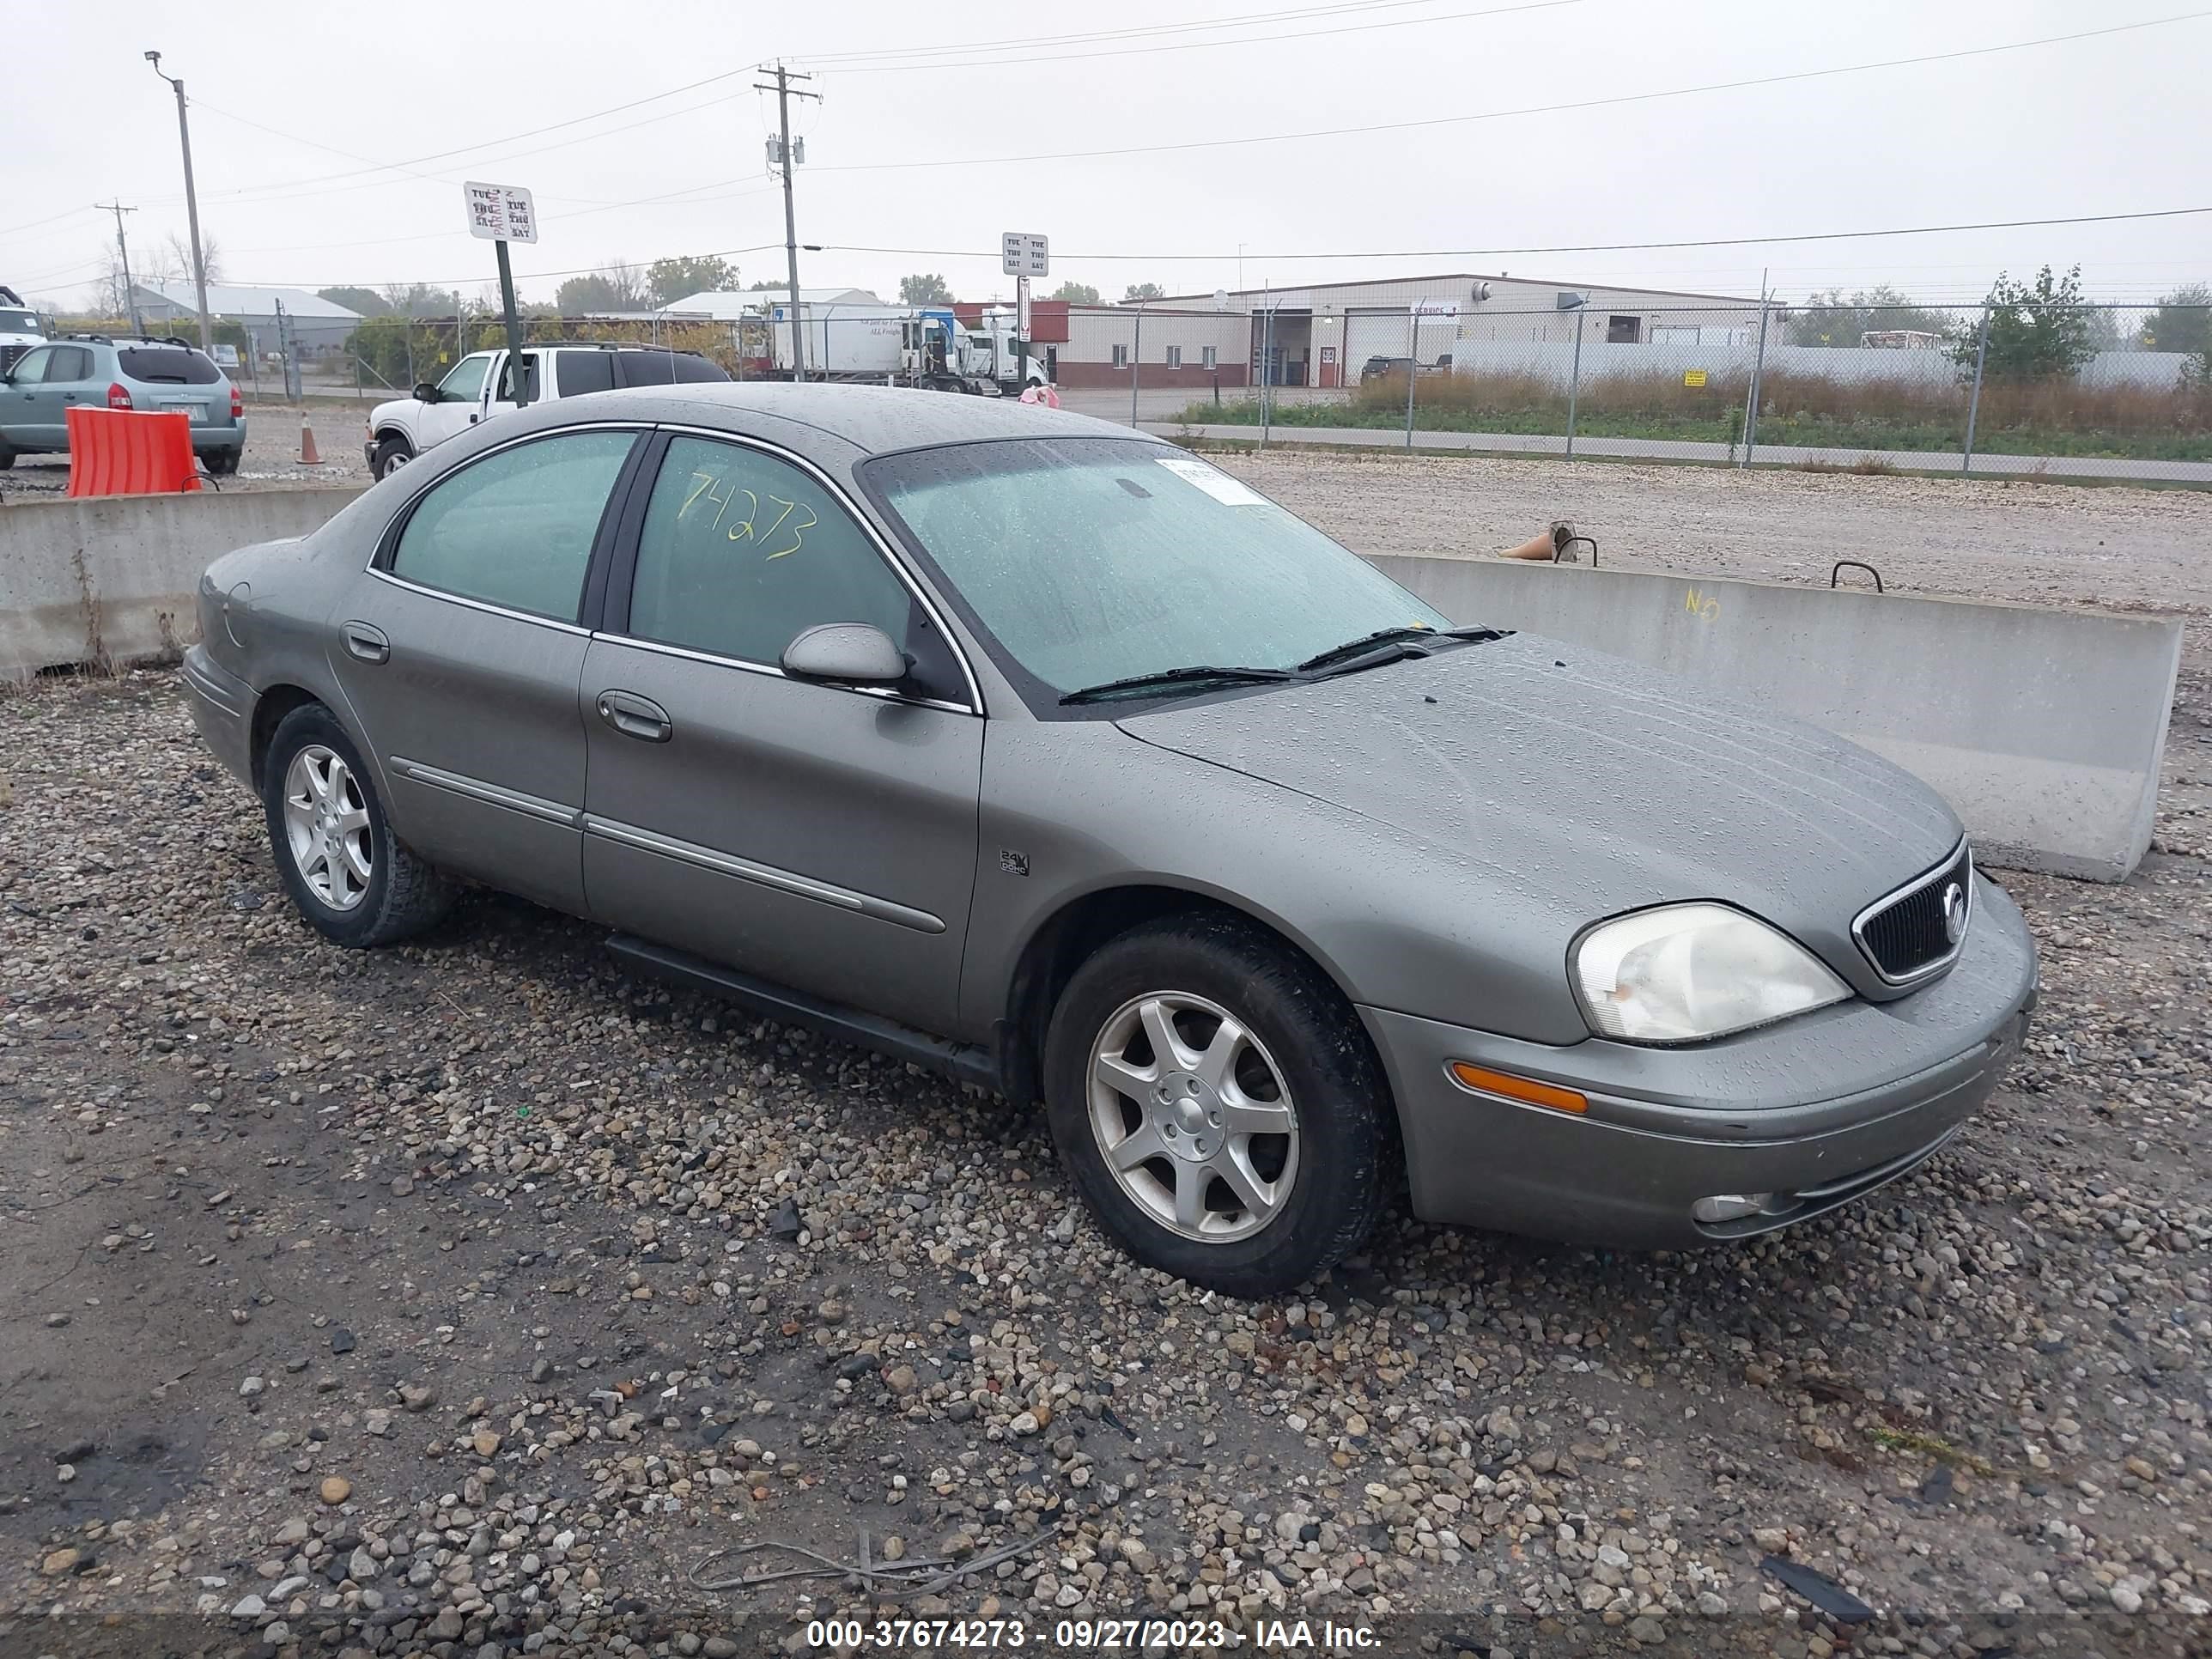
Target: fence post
<point>1575,384</point>
<point>1267,347</point>
<point>1413,362</point>
<point>1136,360</point>
<point>1758,372</point>
<point>1974,402</point>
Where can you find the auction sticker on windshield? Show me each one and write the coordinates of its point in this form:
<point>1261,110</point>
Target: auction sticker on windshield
<point>1229,492</point>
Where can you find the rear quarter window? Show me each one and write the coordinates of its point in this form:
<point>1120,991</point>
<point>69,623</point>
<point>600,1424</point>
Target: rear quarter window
<point>167,365</point>
<point>699,369</point>
<point>643,369</point>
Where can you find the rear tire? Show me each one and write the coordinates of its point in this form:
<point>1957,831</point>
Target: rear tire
<point>393,453</point>
<point>353,880</point>
<point>1252,1160</point>
<point>223,462</point>
<point>6,457</point>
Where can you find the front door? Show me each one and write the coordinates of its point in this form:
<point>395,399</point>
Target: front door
<point>820,837</point>
<point>33,397</point>
<point>461,400</point>
<point>460,651</point>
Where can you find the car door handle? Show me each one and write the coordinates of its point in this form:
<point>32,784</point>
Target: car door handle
<point>636,717</point>
<point>366,642</point>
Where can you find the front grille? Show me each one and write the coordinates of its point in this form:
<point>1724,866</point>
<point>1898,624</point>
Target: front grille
<point>1906,935</point>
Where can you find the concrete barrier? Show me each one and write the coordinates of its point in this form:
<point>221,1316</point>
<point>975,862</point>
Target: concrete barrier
<point>2043,728</point>
<point>112,578</point>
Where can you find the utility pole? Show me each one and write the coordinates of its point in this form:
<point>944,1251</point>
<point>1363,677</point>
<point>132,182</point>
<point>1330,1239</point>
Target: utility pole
<point>123,250</point>
<point>784,95</point>
<point>191,201</point>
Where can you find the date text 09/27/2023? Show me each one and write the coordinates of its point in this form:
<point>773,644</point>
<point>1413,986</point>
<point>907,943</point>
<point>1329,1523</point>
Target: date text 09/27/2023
<point>1086,1635</point>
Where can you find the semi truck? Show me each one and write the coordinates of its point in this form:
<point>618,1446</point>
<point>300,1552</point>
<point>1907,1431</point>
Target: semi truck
<point>925,346</point>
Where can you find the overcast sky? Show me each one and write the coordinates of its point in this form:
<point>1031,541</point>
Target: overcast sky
<point>295,102</point>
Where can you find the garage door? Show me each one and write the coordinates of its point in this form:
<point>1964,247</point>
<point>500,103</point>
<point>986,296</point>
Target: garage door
<point>1378,334</point>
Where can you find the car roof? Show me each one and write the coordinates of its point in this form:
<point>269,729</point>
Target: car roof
<point>875,419</point>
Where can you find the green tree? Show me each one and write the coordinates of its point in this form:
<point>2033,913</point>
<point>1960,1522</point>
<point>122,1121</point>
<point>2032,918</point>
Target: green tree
<point>1079,294</point>
<point>670,280</point>
<point>2183,321</point>
<point>366,301</point>
<point>2037,331</point>
<point>924,287</point>
<point>1144,291</point>
<point>1831,319</point>
<point>617,287</point>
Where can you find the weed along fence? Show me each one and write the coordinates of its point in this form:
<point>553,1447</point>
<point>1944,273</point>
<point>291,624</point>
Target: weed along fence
<point>2043,728</point>
<point>2083,392</point>
<point>116,578</point>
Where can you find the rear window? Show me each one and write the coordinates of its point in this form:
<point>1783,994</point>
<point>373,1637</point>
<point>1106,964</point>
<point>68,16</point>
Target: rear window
<point>167,365</point>
<point>587,371</point>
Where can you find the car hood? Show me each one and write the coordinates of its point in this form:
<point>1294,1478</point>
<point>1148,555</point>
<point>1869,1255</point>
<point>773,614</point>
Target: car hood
<point>1587,785</point>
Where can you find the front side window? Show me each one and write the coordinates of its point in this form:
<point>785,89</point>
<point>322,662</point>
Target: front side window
<point>31,367</point>
<point>1097,559</point>
<point>463,382</point>
<point>516,528</point>
<point>742,551</point>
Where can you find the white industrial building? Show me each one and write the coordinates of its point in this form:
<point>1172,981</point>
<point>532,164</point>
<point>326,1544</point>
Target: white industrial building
<point>1322,334</point>
<point>314,323</point>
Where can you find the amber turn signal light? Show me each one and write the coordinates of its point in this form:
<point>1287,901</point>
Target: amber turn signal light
<point>1483,1080</point>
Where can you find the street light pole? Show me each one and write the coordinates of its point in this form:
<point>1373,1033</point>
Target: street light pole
<point>191,201</point>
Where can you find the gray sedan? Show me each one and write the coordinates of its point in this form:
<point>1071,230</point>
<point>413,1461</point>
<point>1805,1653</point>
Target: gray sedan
<point>1054,757</point>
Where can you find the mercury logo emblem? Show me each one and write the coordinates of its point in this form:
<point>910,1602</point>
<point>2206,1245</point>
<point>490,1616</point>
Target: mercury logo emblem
<point>1955,913</point>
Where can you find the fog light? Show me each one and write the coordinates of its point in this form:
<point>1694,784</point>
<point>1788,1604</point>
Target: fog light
<point>1730,1206</point>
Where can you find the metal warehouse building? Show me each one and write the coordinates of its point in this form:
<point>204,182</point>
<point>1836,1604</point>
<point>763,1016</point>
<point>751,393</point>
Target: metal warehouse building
<point>1324,333</point>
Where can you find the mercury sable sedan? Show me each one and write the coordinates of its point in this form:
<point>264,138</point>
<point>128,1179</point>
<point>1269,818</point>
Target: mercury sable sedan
<point>1050,755</point>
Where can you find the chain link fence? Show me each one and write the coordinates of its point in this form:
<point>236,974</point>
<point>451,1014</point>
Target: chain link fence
<point>2105,392</point>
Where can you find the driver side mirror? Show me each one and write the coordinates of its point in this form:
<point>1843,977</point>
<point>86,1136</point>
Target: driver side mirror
<point>852,654</point>
<point>425,392</point>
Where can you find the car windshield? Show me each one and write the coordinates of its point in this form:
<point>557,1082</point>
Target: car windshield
<point>1092,560</point>
<point>20,322</point>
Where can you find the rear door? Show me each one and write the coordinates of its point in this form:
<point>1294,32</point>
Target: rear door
<point>459,651</point>
<point>821,836</point>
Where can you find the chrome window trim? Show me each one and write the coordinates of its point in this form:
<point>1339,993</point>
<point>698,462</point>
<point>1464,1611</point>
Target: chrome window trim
<point>883,544</point>
<point>771,670</point>
<point>1926,878</point>
<point>766,875</point>
<point>484,606</point>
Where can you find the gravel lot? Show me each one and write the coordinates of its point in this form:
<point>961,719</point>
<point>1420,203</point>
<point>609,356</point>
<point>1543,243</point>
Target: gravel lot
<point>464,1298</point>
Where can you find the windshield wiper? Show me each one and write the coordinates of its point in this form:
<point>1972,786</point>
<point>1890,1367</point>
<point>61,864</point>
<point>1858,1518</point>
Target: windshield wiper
<point>1197,674</point>
<point>1368,644</point>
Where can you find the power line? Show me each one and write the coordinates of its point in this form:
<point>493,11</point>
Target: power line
<point>1531,109</point>
<point>1581,247</point>
<point>1200,46</point>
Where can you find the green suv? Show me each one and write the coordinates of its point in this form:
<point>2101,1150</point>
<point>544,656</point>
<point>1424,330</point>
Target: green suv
<point>93,371</point>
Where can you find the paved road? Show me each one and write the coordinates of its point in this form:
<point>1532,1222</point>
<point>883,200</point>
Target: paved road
<point>1902,460</point>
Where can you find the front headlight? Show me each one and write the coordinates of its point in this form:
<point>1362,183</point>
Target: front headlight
<point>1684,972</point>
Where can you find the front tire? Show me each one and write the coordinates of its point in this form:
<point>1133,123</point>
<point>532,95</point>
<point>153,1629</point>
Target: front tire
<point>353,880</point>
<point>393,453</point>
<point>1218,1104</point>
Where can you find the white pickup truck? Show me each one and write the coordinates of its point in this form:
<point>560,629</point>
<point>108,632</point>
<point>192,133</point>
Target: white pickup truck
<point>479,387</point>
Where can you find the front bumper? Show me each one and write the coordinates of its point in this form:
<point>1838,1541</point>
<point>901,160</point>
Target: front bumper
<point>1816,1111</point>
<point>223,710</point>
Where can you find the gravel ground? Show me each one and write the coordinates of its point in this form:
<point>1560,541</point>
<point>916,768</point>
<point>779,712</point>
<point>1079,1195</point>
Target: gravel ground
<point>465,1297</point>
<point>272,453</point>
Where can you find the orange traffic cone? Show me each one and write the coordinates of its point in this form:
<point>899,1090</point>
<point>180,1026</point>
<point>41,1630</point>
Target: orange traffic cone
<point>308,455</point>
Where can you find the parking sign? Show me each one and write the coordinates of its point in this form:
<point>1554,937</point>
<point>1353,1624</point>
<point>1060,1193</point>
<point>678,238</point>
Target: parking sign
<point>1024,254</point>
<point>500,213</point>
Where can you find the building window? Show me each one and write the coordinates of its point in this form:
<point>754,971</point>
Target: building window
<point>1206,357</point>
<point>1175,356</point>
<point>1121,356</point>
<point>1624,331</point>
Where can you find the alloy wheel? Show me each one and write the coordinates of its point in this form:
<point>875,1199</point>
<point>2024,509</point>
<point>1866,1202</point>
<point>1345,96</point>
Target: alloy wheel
<point>326,827</point>
<point>1193,1116</point>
